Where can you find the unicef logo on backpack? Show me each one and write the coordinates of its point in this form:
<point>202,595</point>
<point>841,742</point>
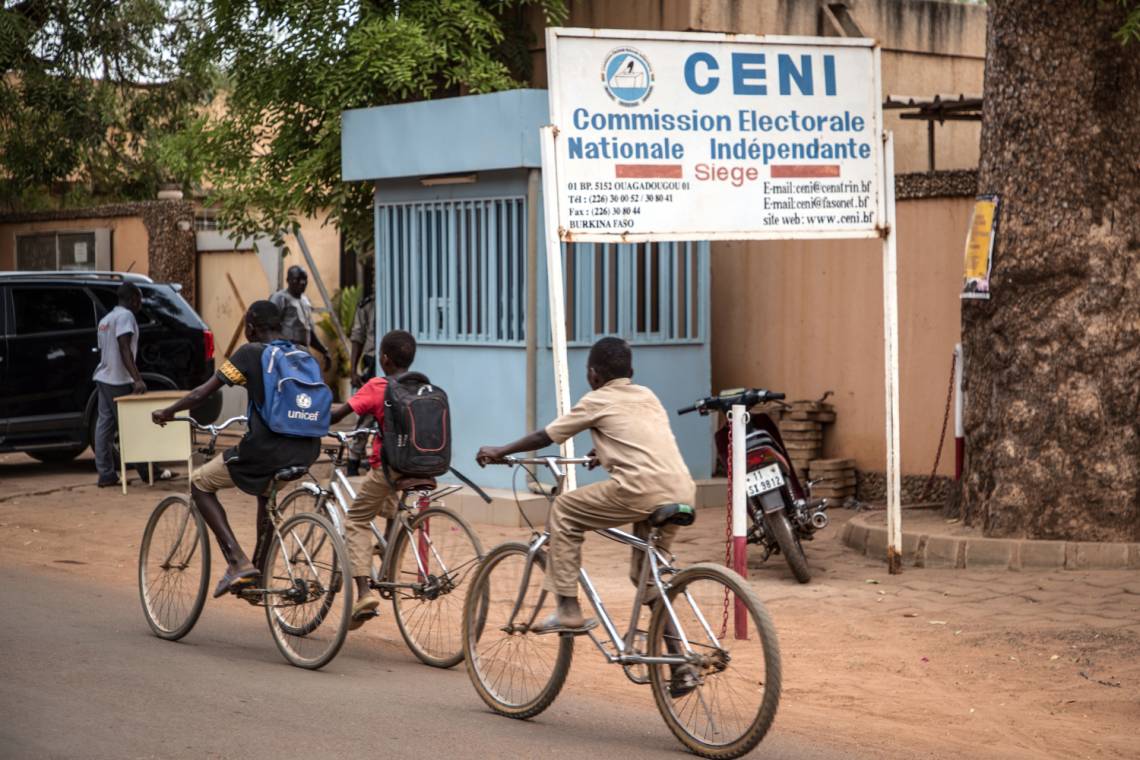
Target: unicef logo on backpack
<point>303,401</point>
<point>297,401</point>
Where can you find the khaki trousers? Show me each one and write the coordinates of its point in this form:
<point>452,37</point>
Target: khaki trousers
<point>376,497</point>
<point>598,505</point>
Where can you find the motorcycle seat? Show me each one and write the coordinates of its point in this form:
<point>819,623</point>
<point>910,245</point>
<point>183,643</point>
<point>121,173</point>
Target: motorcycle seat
<point>289,473</point>
<point>673,514</point>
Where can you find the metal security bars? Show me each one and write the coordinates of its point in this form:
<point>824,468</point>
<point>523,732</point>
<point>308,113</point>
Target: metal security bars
<point>644,292</point>
<point>452,271</point>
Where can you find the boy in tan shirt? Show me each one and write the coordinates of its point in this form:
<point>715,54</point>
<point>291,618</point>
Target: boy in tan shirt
<point>634,443</point>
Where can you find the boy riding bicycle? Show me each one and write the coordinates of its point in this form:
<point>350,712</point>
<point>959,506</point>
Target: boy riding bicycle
<point>378,495</point>
<point>634,443</point>
<point>251,465</point>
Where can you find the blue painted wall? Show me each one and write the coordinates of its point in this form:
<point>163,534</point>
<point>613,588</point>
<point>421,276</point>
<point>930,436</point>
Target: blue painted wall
<point>487,390</point>
<point>496,136</point>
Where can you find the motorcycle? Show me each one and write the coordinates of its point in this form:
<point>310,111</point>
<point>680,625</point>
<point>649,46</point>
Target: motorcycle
<point>781,511</point>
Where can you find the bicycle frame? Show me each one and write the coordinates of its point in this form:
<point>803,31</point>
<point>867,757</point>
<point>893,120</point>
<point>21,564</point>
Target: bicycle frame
<point>656,563</point>
<point>342,494</point>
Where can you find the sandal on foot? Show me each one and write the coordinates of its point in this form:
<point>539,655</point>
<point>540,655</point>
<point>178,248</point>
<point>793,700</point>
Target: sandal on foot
<point>363,611</point>
<point>231,584</point>
<point>553,624</point>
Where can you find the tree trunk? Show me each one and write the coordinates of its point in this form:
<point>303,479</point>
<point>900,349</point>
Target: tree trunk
<point>1053,360</point>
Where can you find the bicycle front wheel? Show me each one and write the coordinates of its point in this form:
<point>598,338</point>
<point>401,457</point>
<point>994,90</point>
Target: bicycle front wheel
<point>517,673</point>
<point>308,597</point>
<point>174,568</point>
<point>432,562</point>
<point>721,704</point>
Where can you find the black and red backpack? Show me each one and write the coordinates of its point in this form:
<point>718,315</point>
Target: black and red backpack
<point>417,427</point>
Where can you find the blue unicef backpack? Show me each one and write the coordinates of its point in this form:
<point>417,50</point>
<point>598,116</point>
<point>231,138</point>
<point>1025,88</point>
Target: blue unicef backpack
<point>297,402</point>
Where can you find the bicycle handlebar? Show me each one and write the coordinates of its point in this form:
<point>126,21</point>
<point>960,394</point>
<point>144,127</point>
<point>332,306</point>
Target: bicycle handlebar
<point>725,400</point>
<point>346,437</point>
<point>212,429</point>
<point>548,461</point>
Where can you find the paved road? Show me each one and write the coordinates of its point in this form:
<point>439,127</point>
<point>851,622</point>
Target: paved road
<point>81,677</point>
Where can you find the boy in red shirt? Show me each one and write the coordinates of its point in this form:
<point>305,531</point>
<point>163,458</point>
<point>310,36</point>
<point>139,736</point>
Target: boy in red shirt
<point>376,496</point>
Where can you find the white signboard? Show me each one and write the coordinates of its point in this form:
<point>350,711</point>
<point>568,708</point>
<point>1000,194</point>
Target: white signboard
<point>689,136</point>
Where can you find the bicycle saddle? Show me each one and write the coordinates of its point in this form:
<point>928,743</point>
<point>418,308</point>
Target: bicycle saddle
<point>673,514</point>
<point>289,473</point>
<point>415,484</point>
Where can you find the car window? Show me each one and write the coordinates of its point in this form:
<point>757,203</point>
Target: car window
<point>108,299</point>
<point>44,310</point>
<point>164,300</point>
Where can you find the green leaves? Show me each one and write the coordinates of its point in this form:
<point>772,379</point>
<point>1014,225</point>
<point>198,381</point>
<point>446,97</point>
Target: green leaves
<point>89,90</point>
<point>240,99</point>
<point>1130,30</point>
<point>271,156</point>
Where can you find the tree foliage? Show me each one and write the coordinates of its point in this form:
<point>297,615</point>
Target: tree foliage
<point>88,89</point>
<point>270,150</point>
<point>1130,30</point>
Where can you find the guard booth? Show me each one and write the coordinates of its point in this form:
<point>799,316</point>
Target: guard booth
<point>460,253</point>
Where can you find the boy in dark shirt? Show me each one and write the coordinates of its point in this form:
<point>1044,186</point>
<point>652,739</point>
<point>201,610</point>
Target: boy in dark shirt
<point>376,495</point>
<point>251,464</point>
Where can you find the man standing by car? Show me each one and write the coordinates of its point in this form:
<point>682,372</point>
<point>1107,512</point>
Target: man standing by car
<point>297,313</point>
<point>117,375</point>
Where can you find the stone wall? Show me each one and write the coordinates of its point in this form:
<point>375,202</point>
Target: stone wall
<point>171,251</point>
<point>872,487</point>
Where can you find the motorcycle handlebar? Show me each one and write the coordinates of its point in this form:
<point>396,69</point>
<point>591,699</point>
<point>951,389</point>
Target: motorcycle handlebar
<point>725,401</point>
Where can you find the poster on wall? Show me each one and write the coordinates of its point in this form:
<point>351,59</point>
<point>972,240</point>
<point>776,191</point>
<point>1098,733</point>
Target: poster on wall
<point>689,136</point>
<point>980,247</point>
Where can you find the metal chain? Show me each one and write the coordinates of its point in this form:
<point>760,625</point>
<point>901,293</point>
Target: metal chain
<point>727,527</point>
<point>942,436</point>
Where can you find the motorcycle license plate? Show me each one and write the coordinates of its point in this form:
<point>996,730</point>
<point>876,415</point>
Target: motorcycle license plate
<point>763,480</point>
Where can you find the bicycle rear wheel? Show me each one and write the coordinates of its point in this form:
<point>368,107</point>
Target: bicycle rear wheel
<point>437,558</point>
<point>174,568</point>
<point>727,704</point>
<point>517,673</point>
<point>308,598</point>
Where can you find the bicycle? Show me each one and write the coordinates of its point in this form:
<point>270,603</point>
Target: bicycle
<point>304,589</point>
<point>421,583</point>
<point>715,681</point>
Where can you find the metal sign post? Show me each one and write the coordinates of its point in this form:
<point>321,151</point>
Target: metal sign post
<point>671,136</point>
<point>555,287</point>
<point>739,421</point>
<point>891,360</point>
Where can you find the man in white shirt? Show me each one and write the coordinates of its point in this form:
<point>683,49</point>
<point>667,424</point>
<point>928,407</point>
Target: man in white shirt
<point>297,313</point>
<point>117,375</point>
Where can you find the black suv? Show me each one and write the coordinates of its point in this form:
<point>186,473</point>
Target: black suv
<point>49,351</point>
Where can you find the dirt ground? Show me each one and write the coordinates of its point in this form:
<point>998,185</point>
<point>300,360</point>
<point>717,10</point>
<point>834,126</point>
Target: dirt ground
<point>930,663</point>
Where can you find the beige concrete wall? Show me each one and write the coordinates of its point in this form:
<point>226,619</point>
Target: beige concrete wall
<point>928,47</point>
<point>324,245</point>
<point>228,282</point>
<point>807,317</point>
<point>129,239</point>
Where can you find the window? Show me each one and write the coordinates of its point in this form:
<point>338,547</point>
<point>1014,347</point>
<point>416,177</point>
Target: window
<point>644,292</point>
<point>55,251</point>
<point>45,310</point>
<point>453,271</point>
<point>206,220</point>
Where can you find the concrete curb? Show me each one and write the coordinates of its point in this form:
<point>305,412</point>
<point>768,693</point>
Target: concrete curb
<point>929,549</point>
